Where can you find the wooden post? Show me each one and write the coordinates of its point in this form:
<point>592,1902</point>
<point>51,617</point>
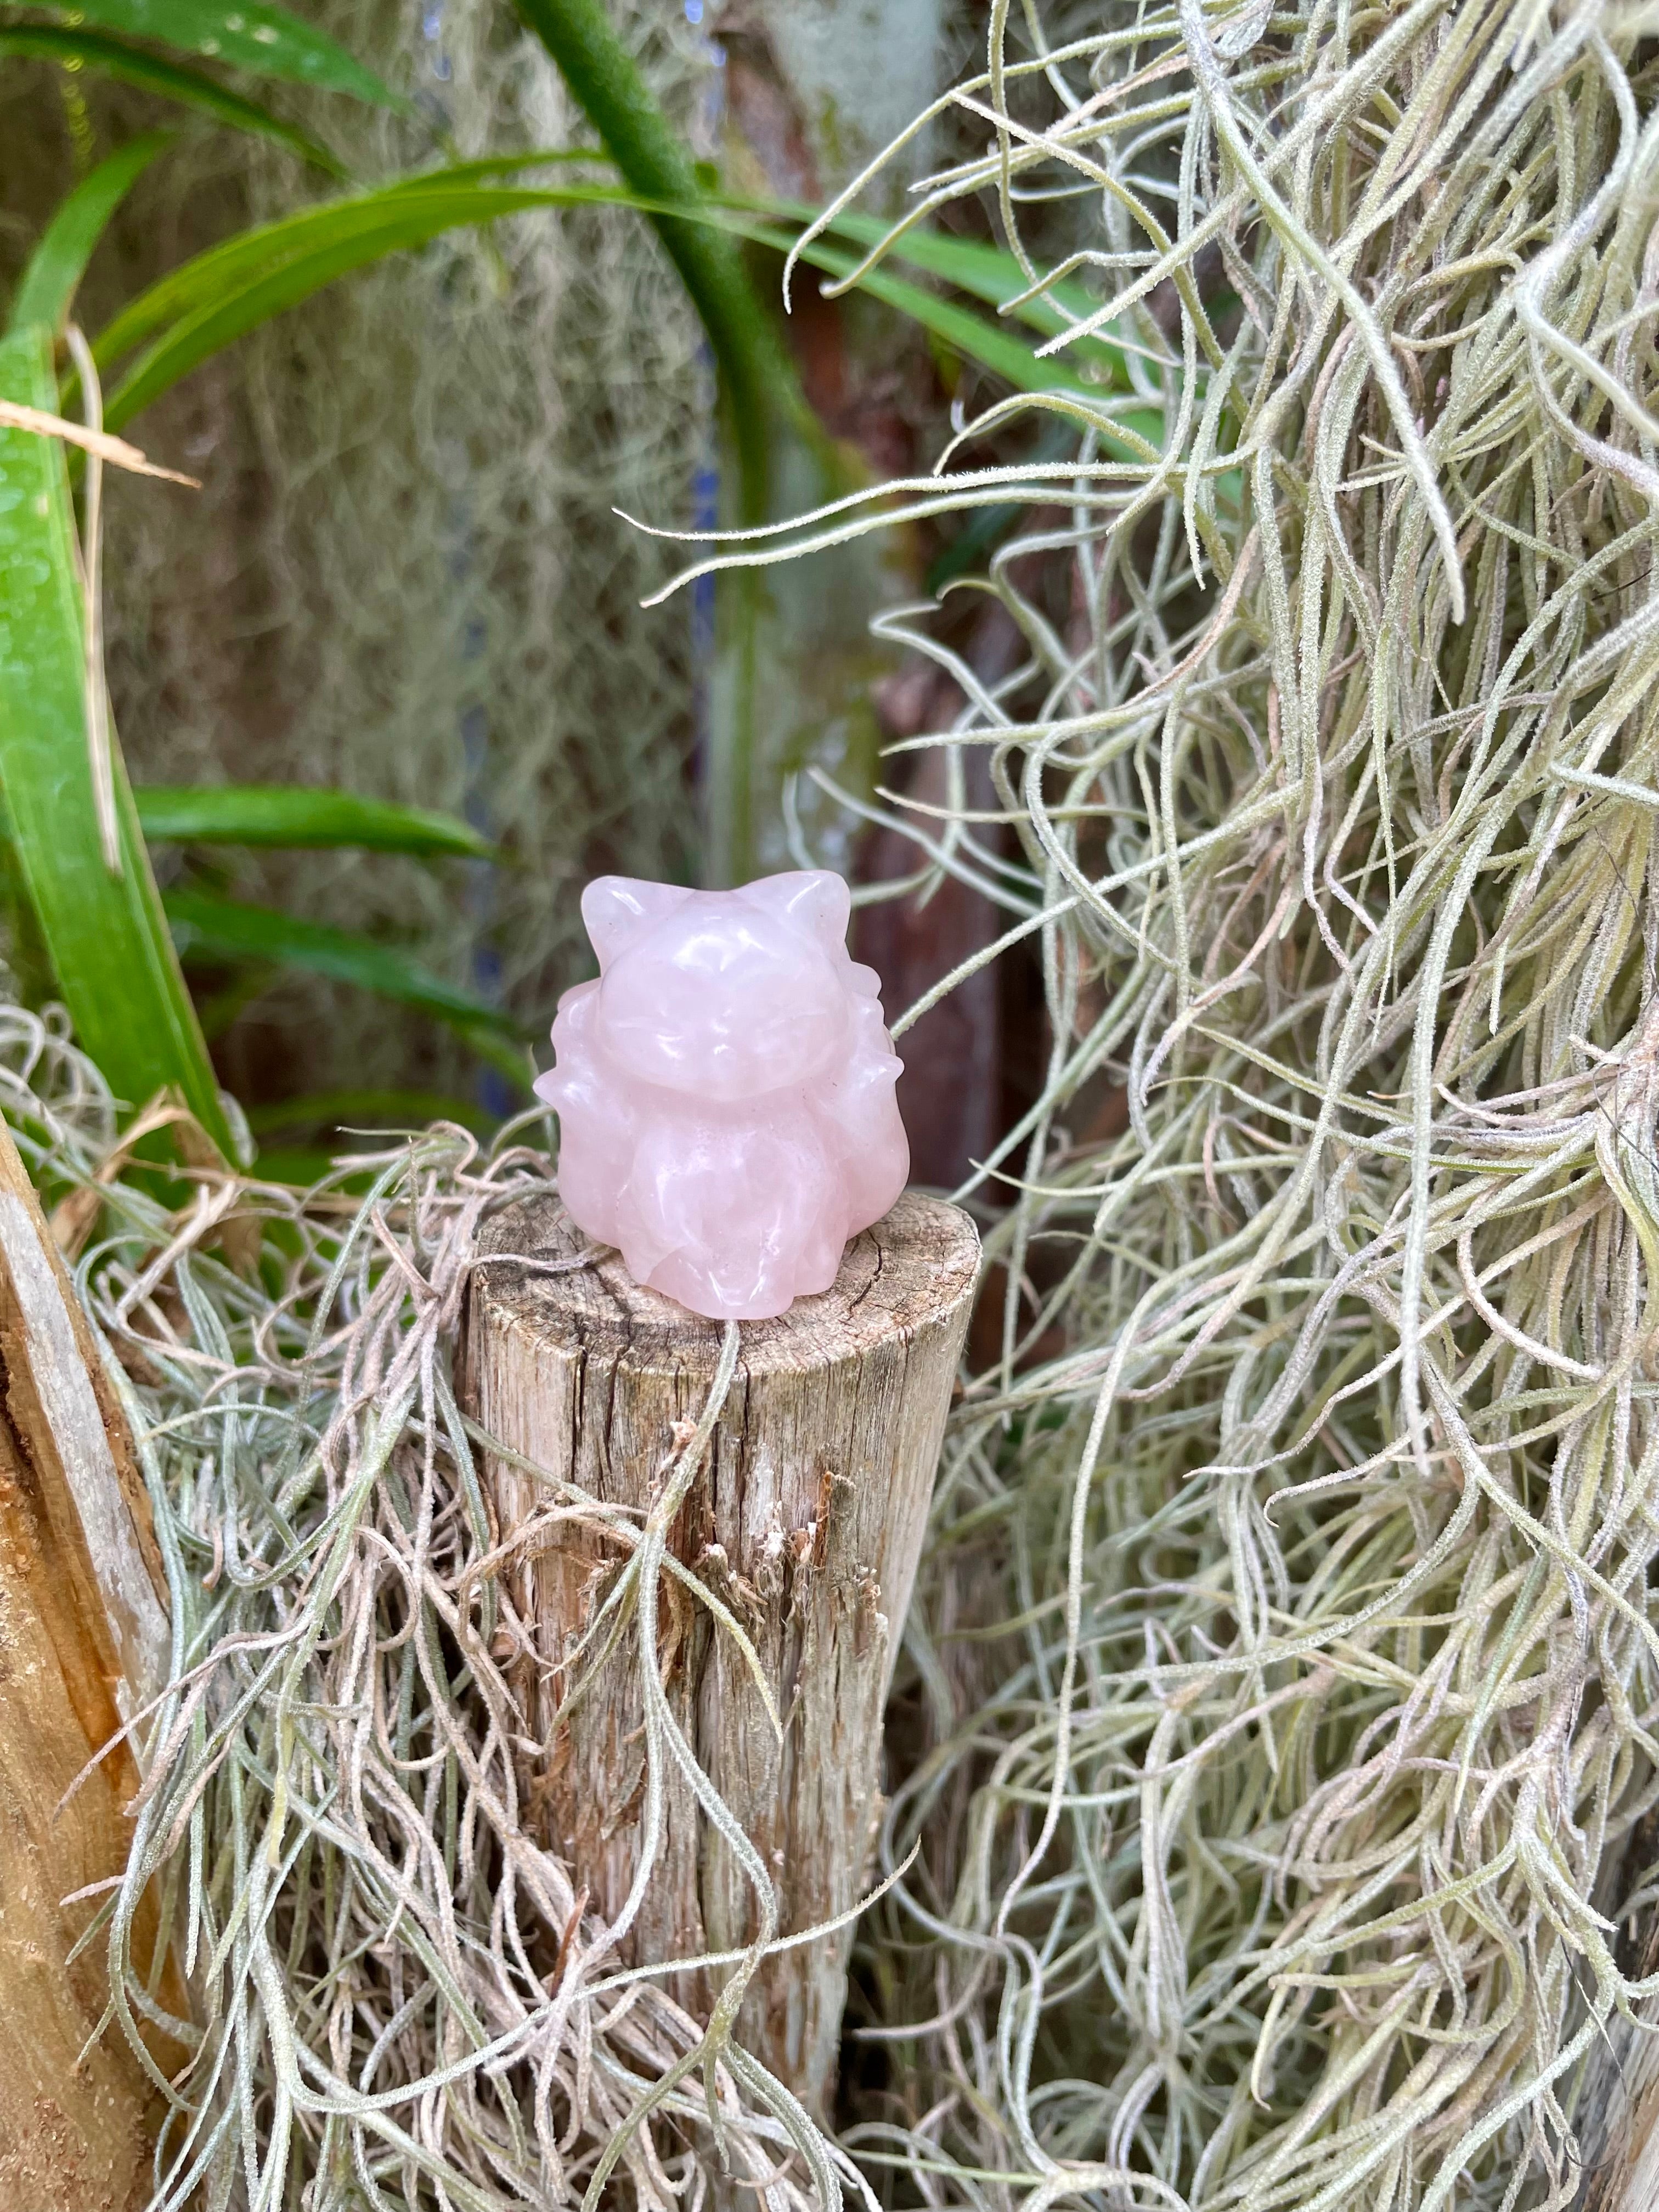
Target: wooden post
<point>807,1521</point>
<point>83,1640</point>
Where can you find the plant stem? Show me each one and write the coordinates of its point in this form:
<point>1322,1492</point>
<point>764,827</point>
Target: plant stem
<point>758,377</point>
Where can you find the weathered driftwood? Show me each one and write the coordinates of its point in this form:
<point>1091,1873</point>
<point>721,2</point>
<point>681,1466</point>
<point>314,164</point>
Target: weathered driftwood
<point>83,1637</point>
<point>807,1521</point>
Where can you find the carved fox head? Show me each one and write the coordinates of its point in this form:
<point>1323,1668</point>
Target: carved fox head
<point>723,995</point>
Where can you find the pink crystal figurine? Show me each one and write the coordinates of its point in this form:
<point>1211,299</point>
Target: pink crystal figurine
<point>724,1091</point>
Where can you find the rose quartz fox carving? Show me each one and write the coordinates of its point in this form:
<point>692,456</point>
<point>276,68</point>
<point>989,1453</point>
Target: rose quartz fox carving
<point>724,1091</point>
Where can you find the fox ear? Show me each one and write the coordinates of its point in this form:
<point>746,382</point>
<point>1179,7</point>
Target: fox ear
<point>812,898</point>
<point>617,908</point>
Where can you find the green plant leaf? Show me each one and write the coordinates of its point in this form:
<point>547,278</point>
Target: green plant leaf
<point>107,57</point>
<point>767,428</point>
<point>505,165</point>
<point>301,1166</point>
<point>218,297</point>
<point>206,927</point>
<point>211,301</point>
<point>105,933</point>
<point>985,272</point>
<point>340,1109</point>
<point>994,346</point>
<point>247,34</point>
<point>294,816</point>
<point>758,375</point>
<point>46,289</point>
<point>208,302</point>
<point>384,220</point>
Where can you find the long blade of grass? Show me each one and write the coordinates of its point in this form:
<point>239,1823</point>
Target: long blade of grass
<point>766,424</point>
<point>759,378</point>
<point>423,206</point>
<point>303,1166</point>
<point>207,926</point>
<point>211,301</point>
<point>291,816</point>
<point>46,289</point>
<point>222,295</point>
<point>101,737</point>
<point>252,36</point>
<point>105,933</point>
<point>993,347</point>
<point>385,1110</point>
<point>987,273</point>
<point>106,57</point>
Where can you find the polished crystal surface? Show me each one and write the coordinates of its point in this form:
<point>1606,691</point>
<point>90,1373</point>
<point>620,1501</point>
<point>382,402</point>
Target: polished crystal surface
<point>725,1090</point>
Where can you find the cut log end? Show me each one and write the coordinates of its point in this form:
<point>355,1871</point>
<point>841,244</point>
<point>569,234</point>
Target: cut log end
<point>805,1523</point>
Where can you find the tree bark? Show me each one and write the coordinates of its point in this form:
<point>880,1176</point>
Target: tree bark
<point>83,1640</point>
<point>807,1521</point>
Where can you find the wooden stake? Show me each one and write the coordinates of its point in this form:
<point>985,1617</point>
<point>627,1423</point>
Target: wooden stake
<point>83,1641</point>
<point>806,1522</point>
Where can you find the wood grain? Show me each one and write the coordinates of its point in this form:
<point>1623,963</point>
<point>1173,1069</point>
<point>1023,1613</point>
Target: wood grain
<point>807,1521</point>
<point>82,1636</point>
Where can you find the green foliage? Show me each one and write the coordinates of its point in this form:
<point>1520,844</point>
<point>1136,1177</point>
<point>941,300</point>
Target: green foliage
<point>104,931</point>
<point>167,80</point>
<point>985,272</point>
<point>991,344</point>
<point>301,1167</point>
<point>98,932</point>
<point>346,1109</point>
<point>767,708</point>
<point>758,377</point>
<point>297,817</point>
<point>251,36</point>
<point>217,297</point>
<point>207,926</point>
<point>46,289</point>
